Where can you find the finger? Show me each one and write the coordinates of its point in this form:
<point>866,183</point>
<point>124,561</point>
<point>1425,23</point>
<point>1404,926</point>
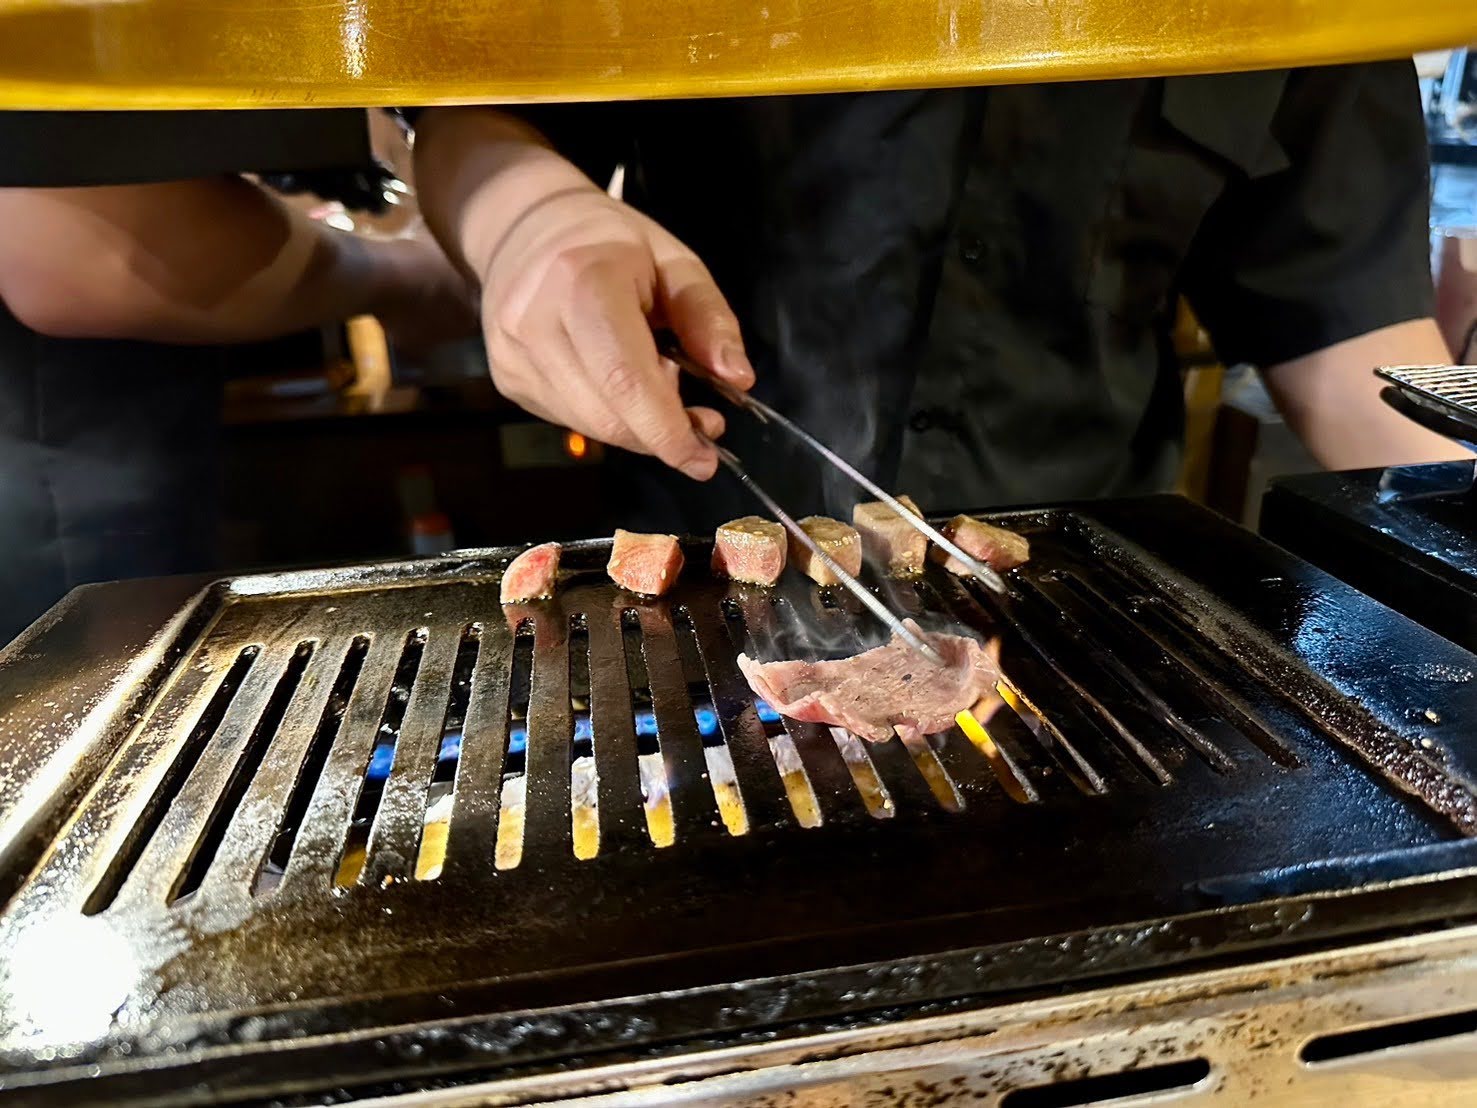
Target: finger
<point>543,388</point>
<point>613,341</point>
<point>696,311</point>
<point>707,422</point>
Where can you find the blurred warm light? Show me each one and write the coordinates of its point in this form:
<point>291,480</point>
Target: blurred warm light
<point>575,444</point>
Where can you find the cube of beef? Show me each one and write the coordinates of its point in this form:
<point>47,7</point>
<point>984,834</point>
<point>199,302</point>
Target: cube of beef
<point>532,574</point>
<point>837,539</point>
<point>888,540</point>
<point>648,564</point>
<point>996,546</point>
<point>751,549</point>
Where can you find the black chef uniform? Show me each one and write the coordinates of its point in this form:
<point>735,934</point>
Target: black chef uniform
<point>969,292</point>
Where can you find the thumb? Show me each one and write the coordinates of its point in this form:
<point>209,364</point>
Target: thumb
<point>698,314</point>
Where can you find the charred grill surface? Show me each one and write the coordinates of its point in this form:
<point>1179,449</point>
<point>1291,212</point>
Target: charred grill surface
<point>375,798</point>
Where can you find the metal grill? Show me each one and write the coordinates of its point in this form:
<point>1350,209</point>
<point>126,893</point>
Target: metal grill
<point>365,797</point>
<point>1452,389</point>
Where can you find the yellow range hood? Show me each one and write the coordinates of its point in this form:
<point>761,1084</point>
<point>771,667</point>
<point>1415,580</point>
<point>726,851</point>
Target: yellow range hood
<point>284,53</point>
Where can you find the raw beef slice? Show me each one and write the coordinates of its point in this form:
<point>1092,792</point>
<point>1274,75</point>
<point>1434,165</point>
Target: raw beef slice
<point>751,549</point>
<point>531,575</point>
<point>648,564</point>
<point>889,687</point>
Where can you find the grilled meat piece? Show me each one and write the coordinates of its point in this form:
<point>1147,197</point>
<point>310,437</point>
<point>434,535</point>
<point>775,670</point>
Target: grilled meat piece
<point>1000,548</point>
<point>751,549</point>
<point>888,540</point>
<point>837,539</point>
<point>532,574</point>
<point>886,688</point>
<point>648,564</point>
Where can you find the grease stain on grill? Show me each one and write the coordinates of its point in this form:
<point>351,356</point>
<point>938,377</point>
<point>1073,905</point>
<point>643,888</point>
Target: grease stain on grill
<point>508,852</point>
<point>247,764</point>
<point>381,760</point>
<point>185,760</point>
<point>655,793</point>
<point>269,873</point>
<point>441,790</point>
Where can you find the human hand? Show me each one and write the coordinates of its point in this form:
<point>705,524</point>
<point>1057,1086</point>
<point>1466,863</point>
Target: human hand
<point>573,284</point>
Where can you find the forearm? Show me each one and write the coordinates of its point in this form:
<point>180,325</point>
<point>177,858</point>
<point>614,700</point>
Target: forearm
<point>205,261</point>
<point>1331,399</point>
<point>481,172</point>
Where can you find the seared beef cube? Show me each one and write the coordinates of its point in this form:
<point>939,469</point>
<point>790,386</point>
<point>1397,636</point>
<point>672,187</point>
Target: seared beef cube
<point>648,564</point>
<point>999,548</point>
<point>888,540</point>
<point>532,574</point>
<point>837,539</point>
<point>751,549</point>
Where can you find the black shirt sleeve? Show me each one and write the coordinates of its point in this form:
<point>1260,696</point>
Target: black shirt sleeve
<point>75,149</point>
<point>1335,243</point>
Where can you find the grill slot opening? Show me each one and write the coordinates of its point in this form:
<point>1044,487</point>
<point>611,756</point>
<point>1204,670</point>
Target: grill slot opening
<point>248,761</point>
<point>441,790</point>
<point>584,779</point>
<point>722,775</point>
<point>873,791</point>
<point>1182,643</point>
<point>1122,655</point>
<point>179,771</point>
<point>514,787</point>
<point>1370,1040</point>
<point>1063,641</point>
<point>744,622</point>
<point>1171,1077</point>
<point>932,771</point>
<point>1002,763</point>
<point>279,853</point>
<point>1049,746</point>
<point>381,760</point>
<point>798,789</point>
<point>656,796</point>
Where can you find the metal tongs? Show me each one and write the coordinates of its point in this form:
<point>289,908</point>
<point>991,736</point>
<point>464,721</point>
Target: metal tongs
<point>765,414</point>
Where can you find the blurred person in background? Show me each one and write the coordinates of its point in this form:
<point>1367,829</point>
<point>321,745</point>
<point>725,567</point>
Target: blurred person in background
<point>967,292</point>
<point>115,304</point>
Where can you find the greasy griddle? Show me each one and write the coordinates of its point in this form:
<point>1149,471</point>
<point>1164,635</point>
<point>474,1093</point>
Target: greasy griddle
<point>1231,754</point>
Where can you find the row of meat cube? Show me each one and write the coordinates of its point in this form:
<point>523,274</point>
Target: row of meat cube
<point>756,550</point>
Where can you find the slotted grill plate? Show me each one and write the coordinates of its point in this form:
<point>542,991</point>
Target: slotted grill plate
<point>1452,386</point>
<point>1449,390</point>
<point>364,798</point>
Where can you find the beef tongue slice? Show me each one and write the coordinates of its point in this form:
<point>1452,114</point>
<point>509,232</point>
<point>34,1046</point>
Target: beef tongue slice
<point>886,688</point>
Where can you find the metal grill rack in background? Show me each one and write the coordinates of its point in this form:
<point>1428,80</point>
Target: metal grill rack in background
<point>372,797</point>
<point>1450,389</point>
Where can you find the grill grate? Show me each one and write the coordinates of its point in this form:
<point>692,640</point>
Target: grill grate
<point>1450,385</point>
<point>399,789</point>
<point>615,710</point>
<point>1441,398</point>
